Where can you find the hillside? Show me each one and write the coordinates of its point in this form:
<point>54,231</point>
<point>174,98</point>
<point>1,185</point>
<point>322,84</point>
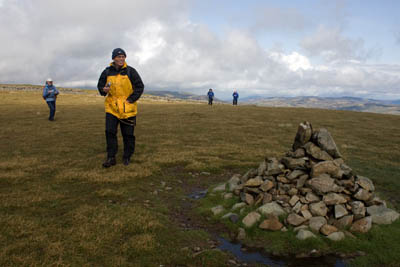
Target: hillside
<point>60,207</point>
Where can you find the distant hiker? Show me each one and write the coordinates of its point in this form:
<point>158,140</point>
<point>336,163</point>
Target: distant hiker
<point>122,86</point>
<point>50,93</point>
<point>235,97</point>
<point>210,95</point>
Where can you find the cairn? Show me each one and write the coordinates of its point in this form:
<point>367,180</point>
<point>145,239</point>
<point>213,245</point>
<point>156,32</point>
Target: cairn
<point>310,188</point>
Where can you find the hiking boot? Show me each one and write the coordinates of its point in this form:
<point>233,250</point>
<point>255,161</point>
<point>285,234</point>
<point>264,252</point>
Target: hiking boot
<point>109,162</point>
<point>126,161</point>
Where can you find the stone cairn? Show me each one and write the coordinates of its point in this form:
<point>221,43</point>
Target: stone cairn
<point>310,189</point>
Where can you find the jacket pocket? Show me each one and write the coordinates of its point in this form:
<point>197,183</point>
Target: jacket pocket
<point>128,107</point>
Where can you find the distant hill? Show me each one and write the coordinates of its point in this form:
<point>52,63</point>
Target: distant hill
<point>338,103</point>
<point>179,95</point>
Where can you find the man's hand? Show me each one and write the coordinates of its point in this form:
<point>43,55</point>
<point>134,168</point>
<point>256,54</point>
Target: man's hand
<point>129,101</point>
<point>106,89</point>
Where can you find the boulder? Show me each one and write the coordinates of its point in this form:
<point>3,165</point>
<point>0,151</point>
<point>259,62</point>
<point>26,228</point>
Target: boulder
<point>271,208</point>
<point>365,183</point>
<point>315,223</point>
<point>303,135</point>
<point>293,200</point>
<point>323,184</point>
<point>336,236</point>
<point>362,226</point>
<point>267,198</point>
<point>306,214</point>
<point>238,206</point>
<point>333,199</point>
<point>250,219</point>
<point>293,191</point>
<point>295,219</point>
<point>219,188</point>
<point>304,234</point>
<point>297,207</point>
<point>382,214</point>
<point>325,141</point>
<point>318,209</point>
<point>249,174</point>
<point>241,234</point>
<point>298,153</point>
<point>301,181</point>
<point>311,197</point>
<point>326,167</point>
<point>344,222</point>
<point>294,174</point>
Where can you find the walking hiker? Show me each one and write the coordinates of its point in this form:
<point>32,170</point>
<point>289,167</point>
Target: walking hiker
<point>235,97</point>
<point>50,93</point>
<point>122,87</point>
<point>210,96</point>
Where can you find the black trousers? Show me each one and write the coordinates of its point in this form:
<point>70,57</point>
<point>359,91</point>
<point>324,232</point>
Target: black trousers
<point>235,101</point>
<point>210,100</point>
<point>127,130</point>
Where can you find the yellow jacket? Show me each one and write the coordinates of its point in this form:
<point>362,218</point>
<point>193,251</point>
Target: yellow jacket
<point>126,88</point>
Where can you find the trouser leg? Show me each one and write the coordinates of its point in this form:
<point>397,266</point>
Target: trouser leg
<point>111,135</point>
<point>128,134</point>
<point>52,107</point>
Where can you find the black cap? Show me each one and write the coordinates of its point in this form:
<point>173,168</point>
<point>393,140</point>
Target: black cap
<point>117,52</point>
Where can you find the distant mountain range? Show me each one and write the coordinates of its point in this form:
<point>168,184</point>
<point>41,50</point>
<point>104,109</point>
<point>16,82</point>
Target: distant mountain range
<point>337,103</point>
<point>179,95</point>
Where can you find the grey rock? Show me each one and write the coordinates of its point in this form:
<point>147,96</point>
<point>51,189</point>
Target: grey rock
<point>249,174</point>
<point>304,234</point>
<point>267,198</point>
<point>293,191</point>
<point>238,206</point>
<point>315,223</point>
<point>363,194</point>
<point>247,198</point>
<point>316,152</point>
<point>234,218</point>
<point>273,167</point>
<point>227,215</point>
<point>254,182</point>
<point>344,222</point>
<point>362,226</point>
<point>250,219</point>
<point>306,214</point>
<point>326,167</point>
<point>262,168</point>
<point>318,209</point>
<point>271,208</point>
<point>303,135</point>
<point>271,223</point>
<point>294,200</point>
<point>228,196</point>
<point>297,207</point>
<point>340,211</point>
<point>382,215</point>
<point>217,210</point>
<point>333,199</point>
<point>301,181</point>
<point>336,236</point>
<point>294,174</point>
<point>365,183</point>
<point>233,182</point>
<point>327,229</point>
<point>298,153</point>
<point>358,209</point>
<point>301,227</point>
<point>267,185</point>
<point>295,219</point>
<point>241,234</point>
<point>219,188</point>
<point>311,197</point>
<point>292,163</point>
<point>325,141</point>
<point>323,184</point>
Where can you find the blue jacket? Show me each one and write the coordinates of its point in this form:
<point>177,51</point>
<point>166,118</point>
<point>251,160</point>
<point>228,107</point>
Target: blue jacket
<point>235,95</point>
<point>50,93</point>
<point>210,94</point>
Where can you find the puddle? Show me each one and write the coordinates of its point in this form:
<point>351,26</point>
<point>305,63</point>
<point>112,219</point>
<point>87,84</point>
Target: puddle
<point>257,257</point>
<point>198,194</point>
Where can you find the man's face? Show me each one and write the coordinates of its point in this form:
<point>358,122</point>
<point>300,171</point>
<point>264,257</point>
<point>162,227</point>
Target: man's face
<point>119,61</point>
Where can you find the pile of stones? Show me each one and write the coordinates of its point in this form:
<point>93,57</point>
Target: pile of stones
<point>310,188</point>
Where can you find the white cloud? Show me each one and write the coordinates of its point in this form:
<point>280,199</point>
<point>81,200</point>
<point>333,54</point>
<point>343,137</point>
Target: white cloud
<point>71,41</point>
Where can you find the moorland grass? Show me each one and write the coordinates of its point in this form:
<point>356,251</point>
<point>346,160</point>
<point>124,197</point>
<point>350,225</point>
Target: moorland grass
<point>59,207</point>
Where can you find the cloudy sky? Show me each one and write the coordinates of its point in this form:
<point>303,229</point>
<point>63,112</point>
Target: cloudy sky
<point>259,47</point>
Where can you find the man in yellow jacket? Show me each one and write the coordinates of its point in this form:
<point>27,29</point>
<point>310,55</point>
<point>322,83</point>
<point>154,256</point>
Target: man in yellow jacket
<point>122,87</point>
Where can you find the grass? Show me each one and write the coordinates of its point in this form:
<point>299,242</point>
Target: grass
<point>59,207</point>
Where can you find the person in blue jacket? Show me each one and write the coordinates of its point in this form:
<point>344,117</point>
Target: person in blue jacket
<point>210,95</point>
<point>235,97</point>
<point>50,93</point>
